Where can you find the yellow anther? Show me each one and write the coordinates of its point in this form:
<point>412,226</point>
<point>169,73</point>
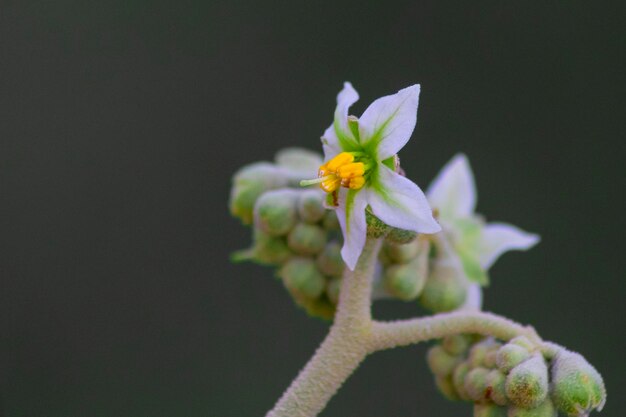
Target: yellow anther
<point>353,183</point>
<point>339,160</point>
<point>331,184</point>
<point>354,169</point>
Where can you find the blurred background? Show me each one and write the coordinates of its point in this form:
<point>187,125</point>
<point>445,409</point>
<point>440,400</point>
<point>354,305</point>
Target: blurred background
<point>122,122</point>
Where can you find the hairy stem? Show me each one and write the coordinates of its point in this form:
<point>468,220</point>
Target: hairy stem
<point>344,348</point>
<point>387,335</point>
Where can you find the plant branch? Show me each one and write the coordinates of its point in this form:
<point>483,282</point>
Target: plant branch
<point>386,335</point>
<point>344,348</point>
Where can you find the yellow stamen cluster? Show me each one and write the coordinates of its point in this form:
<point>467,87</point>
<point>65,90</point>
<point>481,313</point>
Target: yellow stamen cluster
<point>342,171</point>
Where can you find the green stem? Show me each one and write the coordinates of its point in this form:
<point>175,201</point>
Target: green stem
<point>386,335</point>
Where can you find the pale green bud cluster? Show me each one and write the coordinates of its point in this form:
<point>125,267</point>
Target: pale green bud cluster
<point>514,379</point>
<point>294,232</point>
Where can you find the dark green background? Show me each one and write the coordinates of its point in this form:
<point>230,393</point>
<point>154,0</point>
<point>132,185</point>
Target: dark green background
<point>121,123</point>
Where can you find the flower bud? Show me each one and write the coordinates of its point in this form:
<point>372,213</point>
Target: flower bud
<point>406,281</point>
<point>306,239</point>
<point>577,388</point>
<point>445,386</point>
<point>524,342</point>
<point>300,163</point>
<point>302,278</point>
<point>330,261</point>
<point>458,379</point>
<point>527,384</point>
<point>455,344</point>
<point>545,409</point>
<point>332,290</point>
<point>317,307</point>
<point>330,221</point>
<point>268,249</point>
<point>496,392</point>
<point>400,254</point>
<point>440,362</point>
<point>509,356</point>
<point>489,410</point>
<point>311,205</point>
<point>275,211</point>
<point>479,351</point>
<point>445,290</point>
<point>476,384</point>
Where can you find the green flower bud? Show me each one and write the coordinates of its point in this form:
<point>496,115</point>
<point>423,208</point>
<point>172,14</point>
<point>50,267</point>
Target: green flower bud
<point>545,409</point>
<point>302,278</point>
<point>458,379</point>
<point>445,386</point>
<point>299,163</point>
<point>319,307</point>
<point>330,261</point>
<point>509,356</point>
<point>306,239</point>
<point>402,253</point>
<point>527,384</point>
<point>490,358</point>
<point>577,387</point>
<point>311,205</point>
<point>249,183</point>
<point>524,342</point>
<point>332,290</point>
<point>455,344</point>
<point>268,249</point>
<point>275,211</point>
<point>479,351</point>
<point>330,221</point>
<point>440,362</point>
<point>495,387</point>
<point>445,290</point>
<point>476,384</point>
<point>405,281</point>
<point>489,410</point>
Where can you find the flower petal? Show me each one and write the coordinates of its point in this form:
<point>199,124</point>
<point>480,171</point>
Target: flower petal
<point>399,202</point>
<point>453,192</point>
<point>338,136</point>
<point>388,122</point>
<point>498,238</point>
<point>351,216</point>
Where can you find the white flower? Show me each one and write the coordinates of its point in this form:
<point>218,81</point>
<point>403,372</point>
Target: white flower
<point>360,168</point>
<point>478,244</point>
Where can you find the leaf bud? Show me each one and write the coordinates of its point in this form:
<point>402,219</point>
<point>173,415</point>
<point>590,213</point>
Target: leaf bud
<point>445,289</point>
<point>527,384</point>
<point>306,239</point>
<point>311,205</point>
<point>440,362</point>
<point>577,387</point>
<point>489,410</point>
<point>302,278</point>
<point>509,356</point>
<point>329,261</point>
<point>545,409</point>
<point>275,211</point>
<point>476,384</point>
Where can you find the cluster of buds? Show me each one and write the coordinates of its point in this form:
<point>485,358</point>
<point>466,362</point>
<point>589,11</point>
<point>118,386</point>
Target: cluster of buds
<point>515,379</point>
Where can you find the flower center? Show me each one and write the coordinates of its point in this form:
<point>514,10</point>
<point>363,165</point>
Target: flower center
<point>347,169</point>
